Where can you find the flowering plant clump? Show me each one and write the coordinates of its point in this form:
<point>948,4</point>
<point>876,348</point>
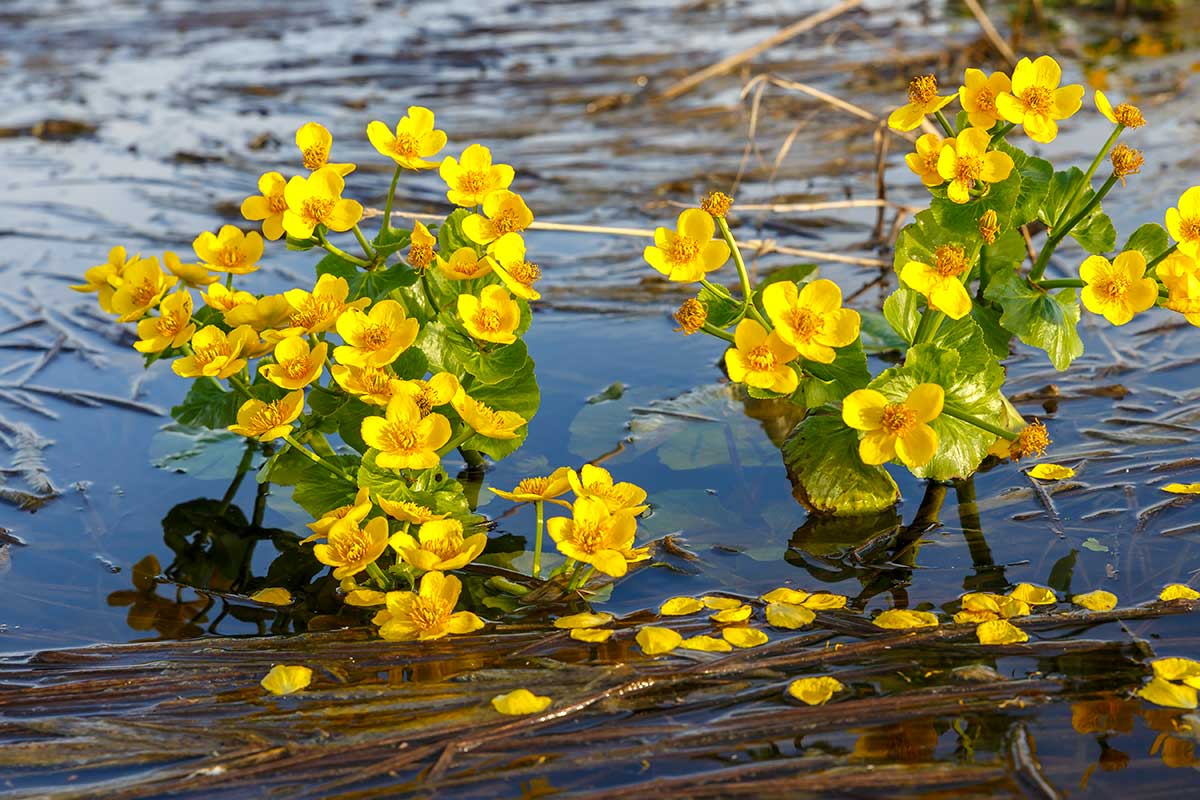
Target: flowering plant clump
<point>355,388</point>
<point>964,292</point>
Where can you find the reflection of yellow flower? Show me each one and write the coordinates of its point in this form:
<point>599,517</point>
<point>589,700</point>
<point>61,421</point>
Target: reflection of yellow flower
<point>474,176</point>
<point>464,264</point>
<point>1124,114</point>
<point>531,490</point>
<point>924,162</point>
<point>689,252</point>
<point>142,285</point>
<point>408,511</point>
<point>1118,289</point>
<point>895,428</point>
<point>491,317</point>
<point>414,140</point>
<point>438,391</point>
<point>1110,715</point>
<point>1036,101</point>
<point>965,161</point>
<point>172,328</point>
<point>194,275</point>
<point>922,99</point>
<point>485,420</point>
<point>215,354</point>
<point>375,338</point>
<point>760,359</point>
<point>503,212</point>
<point>268,206</point>
<point>811,319</point>
<point>593,481</point>
<point>428,613</point>
<point>940,281</point>
<point>351,549</point>
<point>507,257</point>
<point>317,200</point>
<point>296,366</point>
<point>372,385</point>
<point>978,96</point>
<point>911,742</point>
<point>595,536</point>
<point>268,421</point>
<point>404,438</point>
<point>439,545</point>
<point>229,250</point>
<point>1183,222</point>
<point>356,512</point>
<point>315,141</point>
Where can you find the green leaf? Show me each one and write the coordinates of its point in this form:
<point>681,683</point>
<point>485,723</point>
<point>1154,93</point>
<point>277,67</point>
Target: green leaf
<point>391,240</point>
<point>301,244</point>
<point>877,333</point>
<point>1095,232</point>
<point>1035,182</point>
<point>920,240</point>
<point>339,267</point>
<point>450,233</point>
<point>1002,257</point>
<point>903,313</point>
<point>1150,240</point>
<point>431,488</point>
<point>847,372</point>
<point>199,452</point>
<point>207,404</point>
<point>411,364</point>
<point>381,283</point>
<point>995,335</point>
<point>317,492</point>
<point>1040,319</point>
<point>795,273</point>
<point>518,393</point>
<point>722,311</point>
<point>821,456</point>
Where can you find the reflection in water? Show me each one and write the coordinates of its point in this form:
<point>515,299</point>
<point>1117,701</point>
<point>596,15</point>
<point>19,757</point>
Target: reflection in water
<point>910,742</point>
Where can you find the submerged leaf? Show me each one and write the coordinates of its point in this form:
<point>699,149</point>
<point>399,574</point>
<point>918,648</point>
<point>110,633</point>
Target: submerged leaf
<point>815,691</point>
<point>520,701</point>
<point>287,679</point>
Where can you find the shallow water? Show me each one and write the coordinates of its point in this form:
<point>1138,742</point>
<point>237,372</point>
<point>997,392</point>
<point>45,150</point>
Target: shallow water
<point>190,101</point>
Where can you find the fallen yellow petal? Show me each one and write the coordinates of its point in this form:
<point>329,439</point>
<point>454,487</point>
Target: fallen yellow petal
<point>273,596</point>
<point>1177,591</point>
<point>584,620</point>
<point>1176,669</point>
<point>365,597</point>
<point>744,637</point>
<point>1033,595</point>
<point>680,606</point>
<point>1162,692</point>
<point>899,619</point>
<point>520,701</point>
<point>1098,600</point>
<point>707,644</point>
<point>1182,488</point>
<point>719,603</point>
<point>815,691</point>
<point>1051,472</point>
<point>593,635</point>
<point>655,641</point>
<point>285,680</point>
<point>784,615</point>
<point>739,614</point>
<point>824,601</point>
<point>1000,631</point>
<point>785,595</point>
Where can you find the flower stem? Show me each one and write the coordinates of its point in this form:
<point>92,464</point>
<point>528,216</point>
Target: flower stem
<point>379,576</point>
<point>429,294</point>
<point>945,123</point>
<point>316,459</point>
<point>368,251</point>
<point>927,328</point>
<point>748,306</point>
<point>339,252</point>
<point>713,330</point>
<point>1060,233</point>
<point>1154,262</point>
<point>1062,283</point>
<point>580,577</point>
<point>719,291</point>
<point>466,433</point>
<point>537,541</point>
<point>953,411</point>
<point>387,206</point>
<point>1003,131</point>
<point>1087,178</point>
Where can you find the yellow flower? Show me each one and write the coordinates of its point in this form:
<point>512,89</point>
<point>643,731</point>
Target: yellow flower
<point>691,316</point>
<point>706,644</point>
<point>407,511</point>
<point>597,482</point>
<point>1181,275</point>
<point>491,317</point>
<point>989,226</point>
<point>1162,692</point>
<point>194,275</point>
<point>268,421</point>
<point>1051,472</point>
<point>142,285</point>
<point>922,99</point>
<point>899,619</point>
<point>583,620</point>
<point>420,251</point>
<point>531,490</point>
<point>375,338</point>
<point>351,549</point>
<point>689,252</point>
<point>485,420</point>
<point>503,212</point>
<point>965,161</point>
<point>815,691</point>
<point>716,204</point>
<point>215,354</point>
<point>317,200</point>
<point>760,359</point>
<point>1098,600</point>
<point>940,282</point>
<point>268,206</point>
<point>1117,289</point>
<point>296,366</point>
<point>225,300</point>
<point>680,607</point>
<point>172,328</point>
<point>471,179</point>
<point>1178,591</point>
<point>438,391</point>
<point>1183,222</point>
<point>656,641</point>
<point>744,637</point>
<point>286,679</point>
<point>273,596</point>
<point>464,264</point>
<point>104,278</point>
<point>1036,101</point>
<point>1033,595</point>
<point>1000,631</point>
<point>355,512</point>
<point>404,438</point>
<point>1124,114</point>
<point>318,311</point>
<point>595,536</point>
<point>1182,488</point>
<point>924,162</point>
<point>229,250</point>
<point>783,615</point>
<point>263,313</point>
<point>507,257</point>
<point>439,545</point>
<point>314,141</point>
<point>414,141</point>
<point>428,613</point>
<point>372,385</point>
<point>811,319</point>
<point>519,702</point>
<point>895,428</point>
<point>978,96</point>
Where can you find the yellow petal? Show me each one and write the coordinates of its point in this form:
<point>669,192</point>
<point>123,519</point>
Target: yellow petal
<point>744,637</point>
<point>285,680</point>
<point>785,595</point>
<point>1182,488</point>
<point>815,691</point>
<point>739,614</point>
<point>1162,692</point>
<point>1098,600</point>
<point>680,606</point>
<point>584,620</point>
<point>706,644</point>
<point>782,615</point>
<point>1051,472</point>
<point>1000,631</point>
<point>655,641</point>
<point>1176,669</point>
<point>719,603</point>
<point>593,635</point>
<point>1033,595</point>
<point>900,619</point>
<point>520,701</point>
<point>1177,591</point>
<point>825,601</point>
<point>273,596</point>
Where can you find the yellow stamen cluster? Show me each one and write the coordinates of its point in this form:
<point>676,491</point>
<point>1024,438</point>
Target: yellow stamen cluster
<point>1031,441</point>
<point>717,204</point>
<point>1038,99</point>
<point>1129,115</point>
<point>487,319</point>
<point>897,418</point>
<point>761,358</point>
<point>525,272</point>
<point>315,157</point>
<point>949,261</point>
<point>270,415</point>
<point>691,316</point>
<point>922,89</point>
<point>989,226</point>
<point>682,251</point>
<point>419,256</point>
<point>1126,161</point>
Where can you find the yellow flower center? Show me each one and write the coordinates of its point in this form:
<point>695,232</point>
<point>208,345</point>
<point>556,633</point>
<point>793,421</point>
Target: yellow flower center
<point>587,536</point>
<point>1126,161</point>
<point>374,336</point>
<point>985,101</point>
<point>535,486</point>
<point>419,255</point>
<point>429,614</point>
<point>444,547</point>
<point>278,203</point>
<point>1114,287</point>
<point>1038,100</point>
<point>922,89</point>
<point>691,316</point>
<point>317,209</point>
<point>949,261</point>
<point>425,400</point>
<point>761,359</point>
<point>931,161</point>
<point>349,548</point>
<point>473,181</point>
<point>805,323</point>
<point>315,157</point>
<point>467,269</point>
<point>212,352</point>
<point>507,220</point>
<point>296,368</point>
<point>375,381</point>
<point>167,325</point>
<point>406,146</point>
<point>144,293</point>
<point>268,416</point>
<point>683,250</point>
<point>524,272</point>
<point>400,438</point>
<point>229,256</point>
<point>716,204</point>
<point>1032,441</point>
<point>897,419</point>
<point>1129,115</point>
<point>487,320</point>
<point>317,309</point>
<point>967,169</point>
<point>1189,229</point>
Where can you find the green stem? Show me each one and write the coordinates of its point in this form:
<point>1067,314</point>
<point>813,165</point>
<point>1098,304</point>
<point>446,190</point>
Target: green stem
<point>713,330</point>
<point>1004,129</point>
<point>391,196</point>
<point>339,252</point>
<point>1154,262</point>
<point>958,413</point>
<point>1060,233</point>
<point>368,251</point>
<point>716,289</point>
<point>1087,178</point>
<point>537,541</point>
<point>581,576</point>
<point>748,306</point>
<point>379,576</point>
<point>945,123</point>
<point>927,328</point>
<point>429,293</point>
<point>1062,283</point>
<point>229,281</point>
<point>466,433</point>
<point>316,459</point>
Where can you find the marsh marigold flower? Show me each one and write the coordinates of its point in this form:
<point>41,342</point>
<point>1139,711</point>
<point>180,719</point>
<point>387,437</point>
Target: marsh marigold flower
<point>1036,101</point>
<point>318,311</point>
<point>172,328</point>
<point>377,337</point>
<point>978,96</point>
<point>104,278</point>
<point>268,206</point>
<point>1117,289</point>
<point>436,392</point>
<point>924,162</point>
<point>420,250</point>
<point>194,275</point>
<point>439,545</point>
<point>691,316</point>
<point>351,549</point>
<point>1183,222</point>
<point>593,535</point>
<point>989,226</point>
<point>760,359</point>
<point>966,162</point>
<point>317,200</point>
<point>224,300</point>
<point>1126,161</point>
<point>408,511</point>
<point>229,250</point>
<point>414,140</point>
<point>491,317</point>
<point>315,142</point>
<point>811,319</point>
<point>404,438</point>
<point>1181,275</point>
<point>265,312</point>
<point>428,613</point>
<point>507,257</point>
<point>895,428</point>
<point>216,354</point>
<point>142,285</point>
<point>503,212</point>
<point>1123,114</point>
<point>472,178</point>
<point>464,264</point>
<point>940,281</point>
<point>356,512</point>
<point>716,204</point>
<point>689,252</point>
<point>485,420</point>
<point>268,421</point>
<point>597,482</point>
<point>538,488</point>
<point>923,99</point>
<point>373,385</point>
<point>296,365</point>
<point>1031,441</point>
